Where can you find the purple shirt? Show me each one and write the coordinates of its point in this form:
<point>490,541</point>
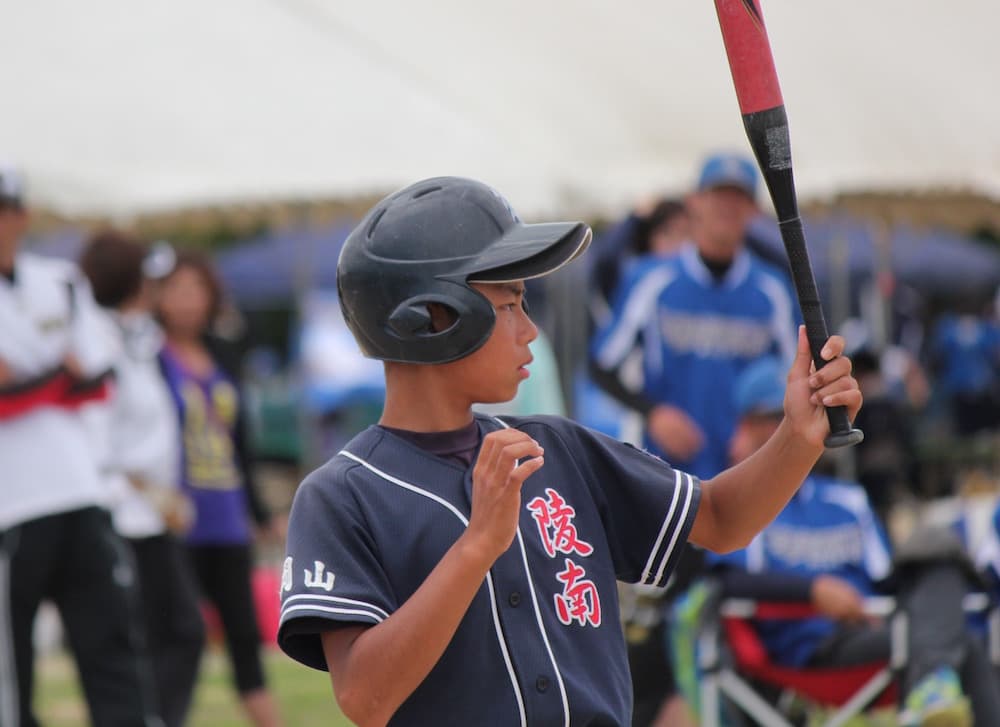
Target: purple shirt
<point>210,476</point>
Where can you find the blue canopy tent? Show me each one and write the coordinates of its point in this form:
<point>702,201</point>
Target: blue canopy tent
<point>280,266</point>
<point>935,262</point>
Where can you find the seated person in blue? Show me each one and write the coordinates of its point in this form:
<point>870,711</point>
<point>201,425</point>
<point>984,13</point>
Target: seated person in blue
<point>828,548</point>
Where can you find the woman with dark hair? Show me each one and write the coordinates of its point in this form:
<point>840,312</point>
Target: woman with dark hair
<point>203,373</point>
<point>141,465</point>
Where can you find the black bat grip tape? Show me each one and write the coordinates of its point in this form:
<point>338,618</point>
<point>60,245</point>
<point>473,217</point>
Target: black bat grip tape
<point>842,434</point>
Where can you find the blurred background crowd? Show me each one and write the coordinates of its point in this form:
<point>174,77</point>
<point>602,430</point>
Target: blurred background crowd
<point>173,359</point>
<point>262,382</point>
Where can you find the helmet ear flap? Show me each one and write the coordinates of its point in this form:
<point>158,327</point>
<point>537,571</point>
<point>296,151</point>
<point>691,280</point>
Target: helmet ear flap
<point>462,324</point>
<point>413,319</point>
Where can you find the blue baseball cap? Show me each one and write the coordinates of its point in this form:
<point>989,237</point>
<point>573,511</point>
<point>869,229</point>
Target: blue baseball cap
<point>729,170</point>
<point>760,389</point>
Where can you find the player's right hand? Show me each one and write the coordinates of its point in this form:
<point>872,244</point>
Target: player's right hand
<point>506,459</point>
<point>675,432</point>
<point>837,599</point>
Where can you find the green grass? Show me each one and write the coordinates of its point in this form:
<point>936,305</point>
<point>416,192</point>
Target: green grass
<point>304,695</point>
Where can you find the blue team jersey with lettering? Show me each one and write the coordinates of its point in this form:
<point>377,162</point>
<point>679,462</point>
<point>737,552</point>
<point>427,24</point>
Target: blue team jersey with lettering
<point>696,335</point>
<point>828,528</point>
<point>968,349</point>
<point>541,643</point>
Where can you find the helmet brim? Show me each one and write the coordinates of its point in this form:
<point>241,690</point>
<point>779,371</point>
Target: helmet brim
<point>529,251</point>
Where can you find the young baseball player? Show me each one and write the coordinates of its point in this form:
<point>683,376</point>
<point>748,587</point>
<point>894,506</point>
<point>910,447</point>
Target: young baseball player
<point>459,569</point>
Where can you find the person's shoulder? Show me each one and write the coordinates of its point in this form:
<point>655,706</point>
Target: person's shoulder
<point>550,427</point>
<point>571,435</point>
<point>55,268</point>
<point>650,271</point>
<point>105,326</point>
<point>535,422</point>
<point>344,471</point>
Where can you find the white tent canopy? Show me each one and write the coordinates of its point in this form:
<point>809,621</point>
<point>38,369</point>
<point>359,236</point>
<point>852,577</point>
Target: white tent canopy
<point>121,107</point>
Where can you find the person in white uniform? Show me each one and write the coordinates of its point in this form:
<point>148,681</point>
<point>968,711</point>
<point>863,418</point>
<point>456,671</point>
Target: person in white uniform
<point>56,537</point>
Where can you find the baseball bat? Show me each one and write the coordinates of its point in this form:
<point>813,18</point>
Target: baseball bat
<point>766,124</point>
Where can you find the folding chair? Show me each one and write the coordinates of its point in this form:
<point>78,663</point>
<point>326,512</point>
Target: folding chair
<point>848,690</point>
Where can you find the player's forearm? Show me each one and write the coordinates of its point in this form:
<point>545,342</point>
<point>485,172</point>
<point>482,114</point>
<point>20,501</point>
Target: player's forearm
<point>738,503</point>
<point>388,662</point>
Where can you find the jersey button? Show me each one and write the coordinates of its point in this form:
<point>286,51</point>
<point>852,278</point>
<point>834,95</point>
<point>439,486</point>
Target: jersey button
<point>542,684</point>
<point>514,599</point>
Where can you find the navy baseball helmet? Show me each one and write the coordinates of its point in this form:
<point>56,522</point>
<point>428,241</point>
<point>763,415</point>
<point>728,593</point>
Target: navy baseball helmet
<point>425,244</point>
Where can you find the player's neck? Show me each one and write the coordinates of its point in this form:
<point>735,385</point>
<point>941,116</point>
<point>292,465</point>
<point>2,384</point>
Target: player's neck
<point>419,402</point>
<point>718,252</point>
<point>184,340</point>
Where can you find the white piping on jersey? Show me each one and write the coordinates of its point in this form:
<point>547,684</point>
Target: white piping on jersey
<point>328,609</point>
<point>782,321</point>
<point>337,599</point>
<point>651,350</point>
<point>541,628</point>
<point>538,613</point>
<point>8,676</point>
<point>648,570</point>
<point>489,578</point>
<point>639,308</point>
<point>377,613</point>
<point>677,530</point>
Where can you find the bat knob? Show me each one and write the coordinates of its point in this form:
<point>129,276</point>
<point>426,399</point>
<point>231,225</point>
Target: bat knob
<point>844,439</point>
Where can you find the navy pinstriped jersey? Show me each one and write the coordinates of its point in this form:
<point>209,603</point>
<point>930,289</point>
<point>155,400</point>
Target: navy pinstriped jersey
<point>541,642</point>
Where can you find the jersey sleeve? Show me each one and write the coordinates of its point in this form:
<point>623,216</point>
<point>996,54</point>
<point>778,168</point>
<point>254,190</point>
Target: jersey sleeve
<point>647,507</point>
<point>332,575</point>
<point>632,310</point>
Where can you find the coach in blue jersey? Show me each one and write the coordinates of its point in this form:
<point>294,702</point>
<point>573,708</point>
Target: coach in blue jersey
<point>828,547</point>
<point>697,319</point>
<point>456,569</point>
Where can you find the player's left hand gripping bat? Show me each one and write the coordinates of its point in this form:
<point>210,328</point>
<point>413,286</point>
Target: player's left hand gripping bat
<point>766,124</point>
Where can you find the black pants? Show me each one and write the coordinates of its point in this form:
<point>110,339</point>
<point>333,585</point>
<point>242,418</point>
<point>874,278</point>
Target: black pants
<point>652,676</point>
<point>175,631</point>
<point>936,635</point>
<point>78,561</point>
<point>224,573</point>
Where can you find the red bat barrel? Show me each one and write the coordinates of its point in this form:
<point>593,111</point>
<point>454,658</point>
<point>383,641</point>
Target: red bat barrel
<point>749,52</point>
<point>766,124</point>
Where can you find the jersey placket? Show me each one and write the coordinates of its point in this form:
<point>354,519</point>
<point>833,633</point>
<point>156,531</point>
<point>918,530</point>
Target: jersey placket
<point>523,612</point>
